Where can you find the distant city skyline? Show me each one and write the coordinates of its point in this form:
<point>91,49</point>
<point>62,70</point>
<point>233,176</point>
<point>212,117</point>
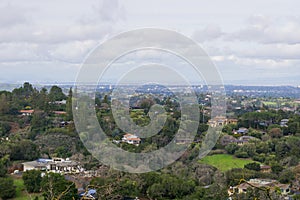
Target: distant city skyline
<point>251,42</point>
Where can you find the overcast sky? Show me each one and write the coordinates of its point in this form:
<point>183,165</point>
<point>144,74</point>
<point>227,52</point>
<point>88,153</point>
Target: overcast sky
<point>253,42</point>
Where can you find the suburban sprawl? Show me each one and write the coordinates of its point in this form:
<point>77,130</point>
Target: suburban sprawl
<point>256,156</point>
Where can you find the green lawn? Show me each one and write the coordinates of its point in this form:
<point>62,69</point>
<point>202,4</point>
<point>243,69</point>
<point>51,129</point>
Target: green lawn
<point>225,162</point>
<point>270,103</point>
<point>21,193</point>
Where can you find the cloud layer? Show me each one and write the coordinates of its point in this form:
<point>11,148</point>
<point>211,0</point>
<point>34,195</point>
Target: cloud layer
<point>48,41</point>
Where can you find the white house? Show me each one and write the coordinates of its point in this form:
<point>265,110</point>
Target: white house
<point>131,139</point>
<point>57,165</point>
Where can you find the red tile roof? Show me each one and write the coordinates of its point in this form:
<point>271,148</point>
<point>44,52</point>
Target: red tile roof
<point>27,111</point>
<point>60,112</point>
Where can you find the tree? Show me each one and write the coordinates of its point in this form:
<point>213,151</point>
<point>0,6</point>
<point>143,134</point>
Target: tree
<point>3,169</point>
<point>56,94</point>
<point>275,133</point>
<point>293,127</point>
<point>69,115</point>
<point>171,187</point>
<point>128,187</point>
<point>24,92</point>
<point>252,166</point>
<point>32,180</point>
<point>41,101</point>
<point>4,106</point>
<point>241,154</point>
<point>286,176</point>
<point>55,186</point>
<point>106,100</point>
<point>249,148</point>
<point>24,150</point>
<point>276,168</point>
<point>146,104</point>
<point>149,179</point>
<point>63,152</point>
<point>228,128</point>
<point>4,128</point>
<point>262,147</point>
<point>39,123</point>
<point>7,188</point>
<point>282,150</point>
<point>231,148</point>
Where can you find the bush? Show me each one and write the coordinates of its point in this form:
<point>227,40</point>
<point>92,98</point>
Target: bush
<point>8,190</point>
<point>286,176</point>
<point>3,169</point>
<point>4,128</point>
<point>276,168</point>
<point>241,154</point>
<point>252,166</point>
<point>259,158</point>
<point>231,148</point>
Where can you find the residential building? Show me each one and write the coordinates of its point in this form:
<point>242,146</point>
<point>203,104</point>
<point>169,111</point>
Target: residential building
<point>241,130</point>
<point>283,122</point>
<point>221,121</point>
<point>57,165</point>
<point>245,139</point>
<point>62,102</point>
<point>26,112</point>
<point>227,139</point>
<point>259,183</point>
<point>265,169</point>
<point>183,140</point>
<point>131,139</point>
<point>59,112</point>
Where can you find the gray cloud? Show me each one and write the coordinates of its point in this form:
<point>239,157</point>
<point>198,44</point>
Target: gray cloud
<point>11,16</point>
<point>56,35</point>
<point>210,32</point>
<point>264,29</point>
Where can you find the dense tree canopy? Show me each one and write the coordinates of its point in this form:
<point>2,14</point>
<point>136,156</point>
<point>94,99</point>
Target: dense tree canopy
<point>56,186</point>
<point>8,189</point>
<point>32,180</point>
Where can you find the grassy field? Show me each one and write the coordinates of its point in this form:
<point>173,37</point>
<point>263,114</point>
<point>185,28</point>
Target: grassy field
<point>270,103</point>
<point>225,162</point>
<point>21,193</point>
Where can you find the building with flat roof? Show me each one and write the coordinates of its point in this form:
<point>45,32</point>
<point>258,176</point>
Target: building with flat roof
<point>56,165</point>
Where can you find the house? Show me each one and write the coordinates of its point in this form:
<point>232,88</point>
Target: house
<point>244,140</point>
<point>227,139</point>
<point>259,183</point>
<point>40,164</point>
<point>232,121</point>
<point>265,169</point>
<point>56,165</point>
<point>62,102</point>
<point>59,112</point>
<point>221,121</point>
<point>183,140</point>
<point>283,122</point>
<point>131,139</point>
<point>26,112</point>
<point>241,130</point>
<point>217,121</point>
